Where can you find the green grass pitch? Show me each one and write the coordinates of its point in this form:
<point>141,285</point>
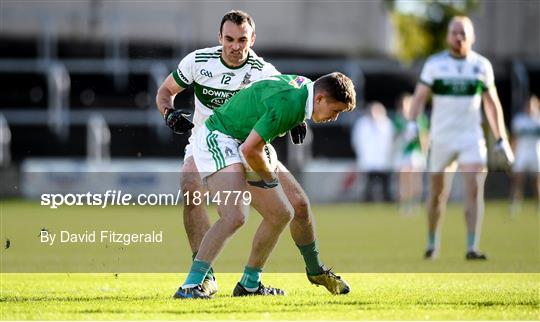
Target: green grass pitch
<point>377,251</point>
<point>379,296</point>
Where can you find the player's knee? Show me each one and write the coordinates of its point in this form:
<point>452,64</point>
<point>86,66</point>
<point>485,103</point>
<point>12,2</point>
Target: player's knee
<point>441,197</point>
<point>301,209</point>
<point>235,221</point>
<point>283,216</point>
<point>473,192</point>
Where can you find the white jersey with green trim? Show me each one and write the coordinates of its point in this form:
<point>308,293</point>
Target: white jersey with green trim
<point>457,86</point>
<point>215,82</point>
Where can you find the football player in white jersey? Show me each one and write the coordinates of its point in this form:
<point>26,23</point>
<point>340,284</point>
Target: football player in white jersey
<point>459,80</point>
<point>217,73</point>
<point>526,130</point>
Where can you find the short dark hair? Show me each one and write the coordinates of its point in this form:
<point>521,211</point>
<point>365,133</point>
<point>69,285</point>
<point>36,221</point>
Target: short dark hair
<point>338,87</point>
<point>238,17</point>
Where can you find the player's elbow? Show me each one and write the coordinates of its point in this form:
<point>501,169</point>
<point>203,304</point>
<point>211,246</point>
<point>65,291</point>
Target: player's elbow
<point>244,150</point>
<point>162,93</point>
<point>158,97</point>
<point>249,152</point>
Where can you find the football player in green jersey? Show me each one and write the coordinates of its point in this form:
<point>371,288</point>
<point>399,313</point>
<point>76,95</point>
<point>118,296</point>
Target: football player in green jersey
<point>216,74</point>
<point>411,156</point>
<point>254,117</point>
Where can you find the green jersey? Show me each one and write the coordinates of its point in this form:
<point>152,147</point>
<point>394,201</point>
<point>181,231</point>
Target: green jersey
<point>400,124</point>
<point>270,106</point>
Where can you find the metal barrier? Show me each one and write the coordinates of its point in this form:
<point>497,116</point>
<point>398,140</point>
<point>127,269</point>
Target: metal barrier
<point>5,142</point>
<point>58,115</point>
<point>58,111</point>
<point>98,139</point>
<point>58,86</point>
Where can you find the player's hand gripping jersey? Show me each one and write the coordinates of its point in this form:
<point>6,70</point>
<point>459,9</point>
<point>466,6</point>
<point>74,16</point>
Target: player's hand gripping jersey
<point>457,86</point>
<point>270,106</point>
<point>215,82</point>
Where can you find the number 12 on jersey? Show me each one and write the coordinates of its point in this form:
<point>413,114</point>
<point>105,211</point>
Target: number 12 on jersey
<point>225,79</point>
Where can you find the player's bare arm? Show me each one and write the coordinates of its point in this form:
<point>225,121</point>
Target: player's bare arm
<point>166,93</point>
<point>421,94</point>
<point>253,151</point>
<point>175,119</point>
<point>494,113</point>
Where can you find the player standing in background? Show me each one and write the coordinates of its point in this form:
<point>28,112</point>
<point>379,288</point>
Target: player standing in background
<point>256,116</point>
<point>459,79</point>
<point>217,73</point>
<point>410,155</point>
<point>526,129</point>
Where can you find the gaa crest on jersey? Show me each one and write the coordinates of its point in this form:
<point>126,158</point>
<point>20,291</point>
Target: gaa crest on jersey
<point>206,73</point>
<point>246,80</point>
<point>298,81</point>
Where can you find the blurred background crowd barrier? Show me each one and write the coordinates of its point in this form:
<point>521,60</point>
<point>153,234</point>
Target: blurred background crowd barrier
<point>78,78</point>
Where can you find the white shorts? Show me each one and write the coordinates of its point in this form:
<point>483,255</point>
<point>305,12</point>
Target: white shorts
<point>213,151</point>
<point>413,160</point>
<point>188,150</point>
<point>526,161</point>
<point>199,118</point>
<point>441,155</point>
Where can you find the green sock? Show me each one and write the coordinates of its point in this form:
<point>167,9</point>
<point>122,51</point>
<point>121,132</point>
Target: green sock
<point>311,258</point>
<point>251,278</point>
<point>196,273</point>
<point>471,238</point>
<point>210,273</point>
<point>432,240</point>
